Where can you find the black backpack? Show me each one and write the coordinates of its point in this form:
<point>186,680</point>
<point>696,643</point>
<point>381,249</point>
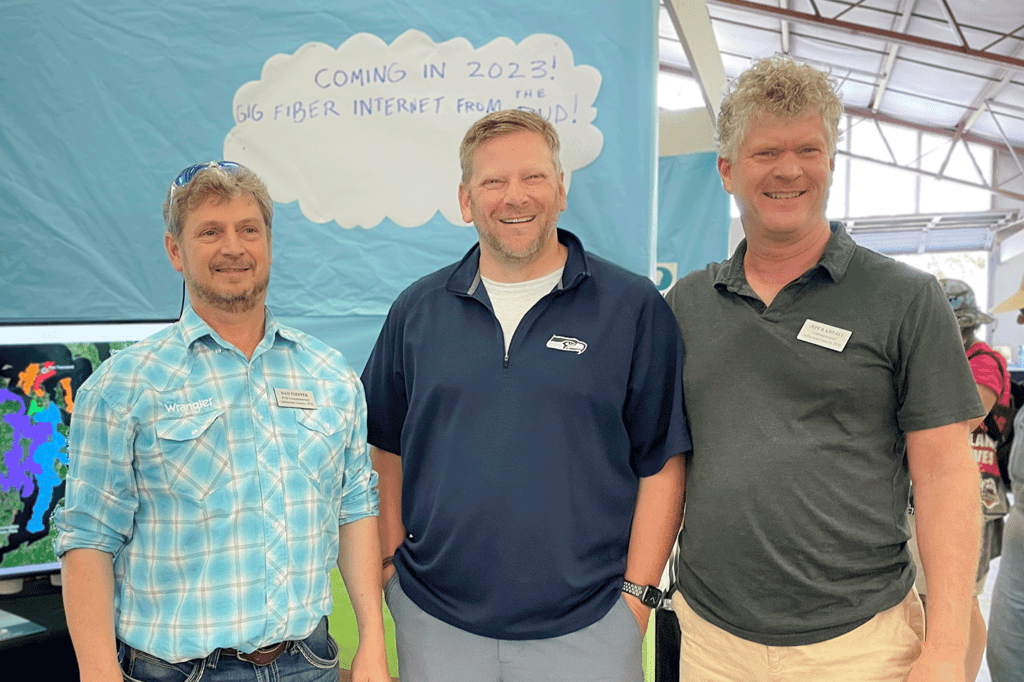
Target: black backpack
<point>1004,438</point>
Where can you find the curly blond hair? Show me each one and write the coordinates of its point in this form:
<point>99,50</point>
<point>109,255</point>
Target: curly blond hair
<point>783,88</point>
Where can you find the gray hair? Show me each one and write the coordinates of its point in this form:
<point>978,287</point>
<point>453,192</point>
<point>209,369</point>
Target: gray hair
<point>215,181</point>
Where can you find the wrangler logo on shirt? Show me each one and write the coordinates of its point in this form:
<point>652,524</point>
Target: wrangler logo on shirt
<point>188,408</point>
<point>566,343</point>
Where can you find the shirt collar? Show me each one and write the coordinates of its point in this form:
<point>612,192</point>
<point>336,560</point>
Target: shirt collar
<point>834,261</point>
<point>838,252</point>
<point>193,328</point>
<point>465,279</point>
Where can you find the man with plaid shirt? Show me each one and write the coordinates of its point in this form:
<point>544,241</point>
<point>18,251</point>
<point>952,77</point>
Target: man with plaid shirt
<point>216,470</point>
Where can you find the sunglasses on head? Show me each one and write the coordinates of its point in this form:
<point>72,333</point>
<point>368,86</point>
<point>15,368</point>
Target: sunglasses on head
<point>185,176</point>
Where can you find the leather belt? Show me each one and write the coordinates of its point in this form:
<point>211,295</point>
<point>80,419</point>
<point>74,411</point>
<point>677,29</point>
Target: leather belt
<point>264,656</point>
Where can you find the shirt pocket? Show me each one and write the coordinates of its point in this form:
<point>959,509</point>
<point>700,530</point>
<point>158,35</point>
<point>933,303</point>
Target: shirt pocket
<point>195,455</point>
<point>322,440</point>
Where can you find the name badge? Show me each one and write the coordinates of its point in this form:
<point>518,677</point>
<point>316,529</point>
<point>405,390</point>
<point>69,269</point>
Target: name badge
<point>287,397</point>
<point>824,335</point>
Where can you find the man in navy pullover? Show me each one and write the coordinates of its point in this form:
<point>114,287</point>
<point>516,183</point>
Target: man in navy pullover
<point>525,410</point>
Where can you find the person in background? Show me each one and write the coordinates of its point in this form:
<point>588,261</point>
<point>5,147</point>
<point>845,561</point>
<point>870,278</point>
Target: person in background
<point>1005,652</point>
<point>993,383</point>
<point>820,378</point>
<point>525,409</point>
<point>216,469</point>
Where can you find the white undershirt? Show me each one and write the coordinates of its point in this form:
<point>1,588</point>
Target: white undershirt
<point>512,300</point>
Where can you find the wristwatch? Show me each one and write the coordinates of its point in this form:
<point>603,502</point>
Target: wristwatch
<point>649,596</point>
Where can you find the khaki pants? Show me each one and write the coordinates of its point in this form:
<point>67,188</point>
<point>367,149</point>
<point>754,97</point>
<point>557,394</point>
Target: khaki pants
<point>882,650</point>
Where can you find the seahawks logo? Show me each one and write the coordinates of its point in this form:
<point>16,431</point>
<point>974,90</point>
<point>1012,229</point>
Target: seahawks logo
<point>566,343</point>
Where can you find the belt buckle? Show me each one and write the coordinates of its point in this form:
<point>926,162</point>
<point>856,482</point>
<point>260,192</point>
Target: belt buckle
<point>264,656</point>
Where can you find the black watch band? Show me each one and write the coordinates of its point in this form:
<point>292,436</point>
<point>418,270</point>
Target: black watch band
<point>649,596</point>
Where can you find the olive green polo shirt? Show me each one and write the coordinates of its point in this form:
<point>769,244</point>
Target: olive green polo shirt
<point>796,496</point>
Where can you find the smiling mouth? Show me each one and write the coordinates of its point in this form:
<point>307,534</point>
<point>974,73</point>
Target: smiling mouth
<point>516,221</point>
<point>784,195</point>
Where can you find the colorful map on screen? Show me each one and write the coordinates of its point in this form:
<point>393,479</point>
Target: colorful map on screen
<point>38,384</point>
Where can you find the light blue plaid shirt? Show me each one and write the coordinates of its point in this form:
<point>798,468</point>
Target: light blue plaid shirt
<point>221,506</point>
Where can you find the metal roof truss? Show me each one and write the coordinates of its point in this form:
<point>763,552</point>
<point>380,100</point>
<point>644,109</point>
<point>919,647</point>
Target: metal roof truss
<point>946,67</point>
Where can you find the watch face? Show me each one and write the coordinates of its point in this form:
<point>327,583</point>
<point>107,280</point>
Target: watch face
<point>651,597</point>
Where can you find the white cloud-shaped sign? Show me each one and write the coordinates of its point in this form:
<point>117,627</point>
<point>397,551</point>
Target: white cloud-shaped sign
<point>370,131</point>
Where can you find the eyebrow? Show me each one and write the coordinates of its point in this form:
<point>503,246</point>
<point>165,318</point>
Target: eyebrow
<point>244,222</point>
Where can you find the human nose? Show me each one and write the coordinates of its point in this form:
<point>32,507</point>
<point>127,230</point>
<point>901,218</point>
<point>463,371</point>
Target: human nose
<point>788,167</point>
<point>231,243</point>
<point>515,193</point>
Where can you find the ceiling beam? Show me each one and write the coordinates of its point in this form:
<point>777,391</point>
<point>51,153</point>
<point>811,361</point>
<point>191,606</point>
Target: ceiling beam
<point>693,27</point>
<point>1016,159</point>
<point>947,12</point>
<point>784,26</point>
<point>818,21</point>
<point>966,183</point>
<point>973,138</point>
<point>1002,37</point>
<point>977,107</point>
<point>849,8</point>
<point>900,26</point>
<point>861,112</point>
<point>988,93</point>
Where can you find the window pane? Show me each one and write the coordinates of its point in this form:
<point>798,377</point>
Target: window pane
<point>880,190</point>
<point>969,266</point>
<point>935,150</point>
<point>866,140</point>
<point>837,195</point>
<point>678,93</point>
<point>942,196</point>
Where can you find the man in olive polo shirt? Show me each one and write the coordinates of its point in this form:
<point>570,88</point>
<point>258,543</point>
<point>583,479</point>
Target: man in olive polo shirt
<point>819,380</point>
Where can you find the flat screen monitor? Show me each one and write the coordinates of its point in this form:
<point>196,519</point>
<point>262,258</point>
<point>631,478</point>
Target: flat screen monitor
<point>42,366</point>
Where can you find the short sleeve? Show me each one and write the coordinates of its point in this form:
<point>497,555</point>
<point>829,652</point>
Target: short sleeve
<point>383,379</point>
<point>935,384</point>
<point>655,416</point>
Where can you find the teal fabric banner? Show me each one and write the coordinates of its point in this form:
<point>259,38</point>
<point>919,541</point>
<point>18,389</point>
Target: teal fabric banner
<point>693,216</point>
<point>352,112</point>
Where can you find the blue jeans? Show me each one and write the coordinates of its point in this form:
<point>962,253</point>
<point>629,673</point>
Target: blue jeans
<point>314,659</point>
<point>1005,653</point>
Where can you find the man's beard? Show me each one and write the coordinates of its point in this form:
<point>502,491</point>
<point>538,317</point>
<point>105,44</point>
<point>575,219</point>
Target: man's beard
<point>508,254</point>
<point>242,302</point>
